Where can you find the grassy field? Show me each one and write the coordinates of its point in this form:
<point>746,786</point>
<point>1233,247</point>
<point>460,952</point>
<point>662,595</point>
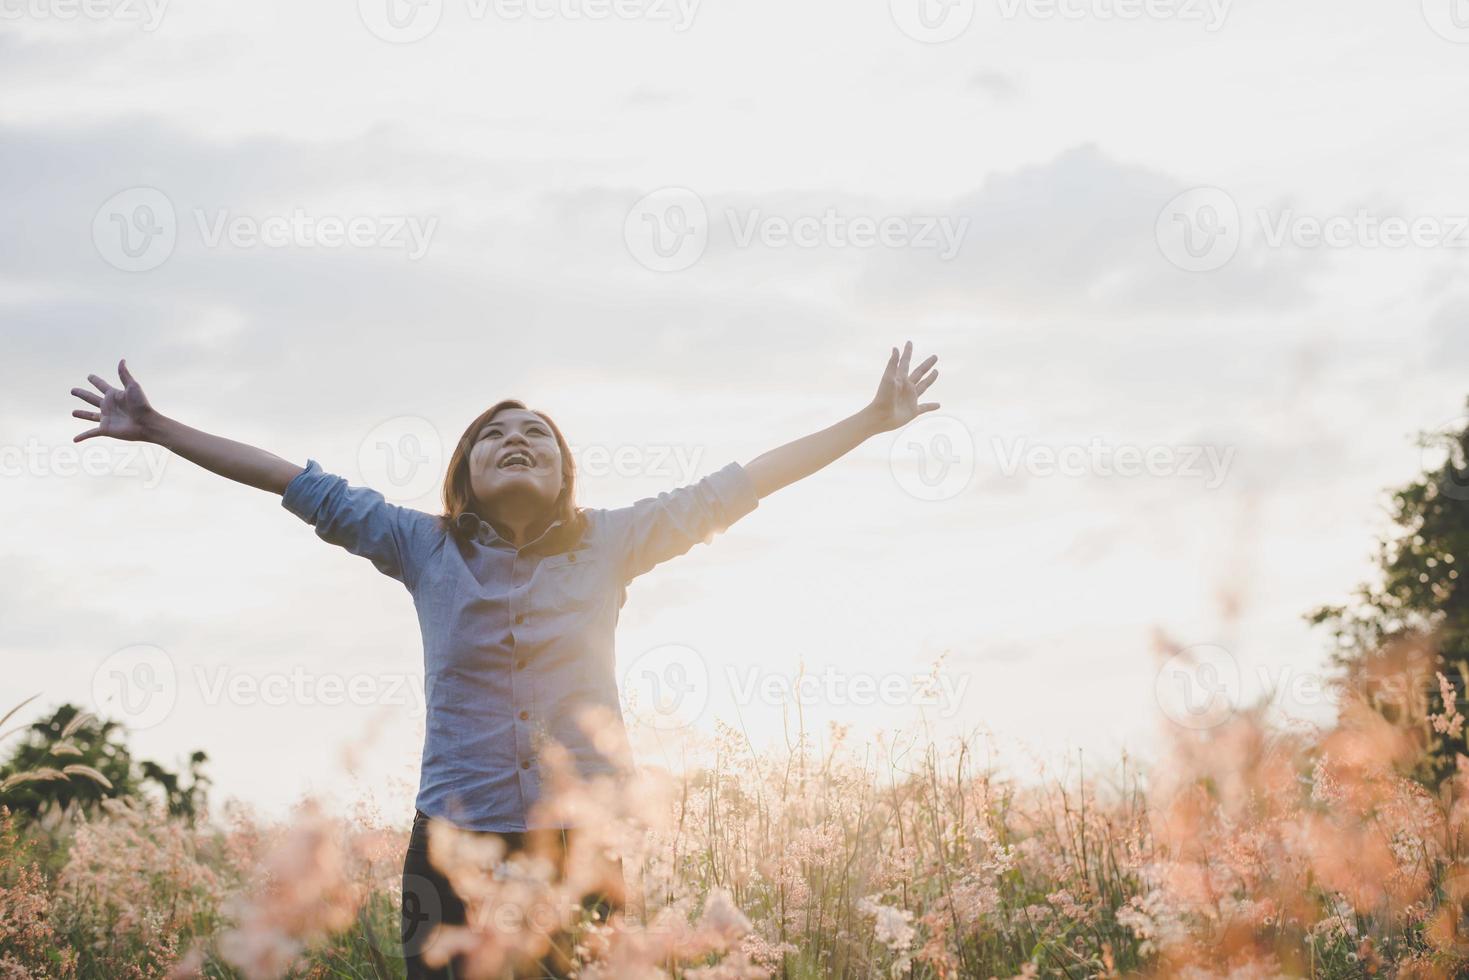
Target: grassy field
<point>1247,852</point>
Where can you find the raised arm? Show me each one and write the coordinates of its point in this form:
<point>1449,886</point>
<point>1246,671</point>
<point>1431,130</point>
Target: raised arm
<point>894,406</point>
<point>125,413</point>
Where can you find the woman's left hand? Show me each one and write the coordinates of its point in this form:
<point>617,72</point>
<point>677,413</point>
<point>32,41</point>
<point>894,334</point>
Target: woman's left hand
<point>896,402</point>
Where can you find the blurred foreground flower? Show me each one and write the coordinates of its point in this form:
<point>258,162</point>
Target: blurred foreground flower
<point>301,893</point>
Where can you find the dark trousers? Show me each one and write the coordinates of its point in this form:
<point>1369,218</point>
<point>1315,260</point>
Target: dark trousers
<point>429,900</point>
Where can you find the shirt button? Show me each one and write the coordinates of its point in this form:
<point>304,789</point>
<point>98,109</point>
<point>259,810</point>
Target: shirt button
<point>525,765</point>
<point>519,619</point>
<point>571,558</point>
<point>525,716</point>
<point>520,665</point>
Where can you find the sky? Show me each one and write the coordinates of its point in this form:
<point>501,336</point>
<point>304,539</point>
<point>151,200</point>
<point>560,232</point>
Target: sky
<point>1194,270</point>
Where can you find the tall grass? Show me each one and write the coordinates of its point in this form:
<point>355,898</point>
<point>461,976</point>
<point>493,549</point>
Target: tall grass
<point>1248,851</point>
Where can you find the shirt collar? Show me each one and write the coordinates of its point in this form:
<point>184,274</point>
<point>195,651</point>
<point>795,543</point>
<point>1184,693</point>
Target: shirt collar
<point>472,526</point>
<point>469,524</point>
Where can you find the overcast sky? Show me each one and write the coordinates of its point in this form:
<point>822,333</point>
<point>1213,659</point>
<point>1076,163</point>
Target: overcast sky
<point>1194,270</point>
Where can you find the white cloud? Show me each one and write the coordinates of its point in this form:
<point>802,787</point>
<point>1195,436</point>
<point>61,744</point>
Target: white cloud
<point>1059,322</point>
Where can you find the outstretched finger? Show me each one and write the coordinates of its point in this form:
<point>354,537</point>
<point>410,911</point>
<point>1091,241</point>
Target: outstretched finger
<point>889,371</point>
<point>91,398</point>
<point>928,407</point>
<point>917,373</point>
<point>926,383</point>
<point>82,413</point>
<point>99,384</point>
<point>124,374</point>
<point>907,355</point>
<point>87,435</point>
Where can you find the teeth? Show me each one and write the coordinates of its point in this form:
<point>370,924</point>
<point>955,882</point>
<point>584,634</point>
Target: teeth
<point>516,457</point>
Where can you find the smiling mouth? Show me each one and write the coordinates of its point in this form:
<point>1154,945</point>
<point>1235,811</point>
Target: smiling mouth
<point>517,460</point>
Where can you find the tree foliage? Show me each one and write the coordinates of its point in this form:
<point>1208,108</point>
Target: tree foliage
<point>1419,592</point>
<point>74,758</point>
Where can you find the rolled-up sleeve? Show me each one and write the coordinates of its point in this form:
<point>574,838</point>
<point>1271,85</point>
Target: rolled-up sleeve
<point>656,529</point>
<point>395,539</point>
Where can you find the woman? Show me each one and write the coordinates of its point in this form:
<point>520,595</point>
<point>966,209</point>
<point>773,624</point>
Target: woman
<point>517,591</point>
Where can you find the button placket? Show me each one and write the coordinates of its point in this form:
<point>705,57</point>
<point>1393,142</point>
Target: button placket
<point>522,688</point>
<point>524,701</point>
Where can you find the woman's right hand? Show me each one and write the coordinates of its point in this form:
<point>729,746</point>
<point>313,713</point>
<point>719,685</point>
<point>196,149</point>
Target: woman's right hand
<point>122,413</point>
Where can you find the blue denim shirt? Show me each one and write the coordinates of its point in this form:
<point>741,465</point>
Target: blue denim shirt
<point>517,643</point>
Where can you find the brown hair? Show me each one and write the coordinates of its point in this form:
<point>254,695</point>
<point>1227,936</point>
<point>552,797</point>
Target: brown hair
<point>459,491</point>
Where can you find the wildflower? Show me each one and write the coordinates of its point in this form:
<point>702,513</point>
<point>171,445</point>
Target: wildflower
<point>893,928</point>
<point>302,893</point>
<point>1323,788</point>
<point>1449,722</point>
<point>722,917</point>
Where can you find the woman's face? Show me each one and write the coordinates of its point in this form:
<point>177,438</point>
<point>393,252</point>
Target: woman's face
<point>515,460</point>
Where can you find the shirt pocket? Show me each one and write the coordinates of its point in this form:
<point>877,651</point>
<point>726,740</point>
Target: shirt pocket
<point>575,580</point>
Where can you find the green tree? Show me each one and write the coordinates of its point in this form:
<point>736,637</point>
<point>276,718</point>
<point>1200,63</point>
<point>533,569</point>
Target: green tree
<point>75,758</point>
<point>1419,589</point>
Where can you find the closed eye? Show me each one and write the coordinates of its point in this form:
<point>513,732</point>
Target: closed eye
<point>497,432</point>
